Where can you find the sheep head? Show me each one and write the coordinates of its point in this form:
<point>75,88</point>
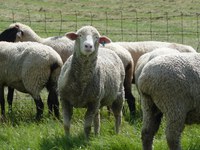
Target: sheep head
<point>87,39</point>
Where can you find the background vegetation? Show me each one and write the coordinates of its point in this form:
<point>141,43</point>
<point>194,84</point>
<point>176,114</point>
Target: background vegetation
<point>127,20</point>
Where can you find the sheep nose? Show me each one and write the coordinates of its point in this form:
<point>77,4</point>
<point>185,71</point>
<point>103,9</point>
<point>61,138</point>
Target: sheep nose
<point>88,46</point>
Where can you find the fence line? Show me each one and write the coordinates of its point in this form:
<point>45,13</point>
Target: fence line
<point>119,26</point>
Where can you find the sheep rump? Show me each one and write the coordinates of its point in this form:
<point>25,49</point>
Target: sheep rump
<point>29,67</point>
<point>145,58</point>
<point>169,86</point>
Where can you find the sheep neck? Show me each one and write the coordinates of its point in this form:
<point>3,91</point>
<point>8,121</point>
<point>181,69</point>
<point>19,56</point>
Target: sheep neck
<point>83,69</point>
<point>32,36</point>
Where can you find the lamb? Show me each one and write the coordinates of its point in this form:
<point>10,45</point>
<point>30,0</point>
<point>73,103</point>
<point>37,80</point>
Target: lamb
<point>62,45</point>
<point>29,67</point>
<point>127,61</point>
<point>169,85</point>
<point>91,78</point>
<point>137,49</point>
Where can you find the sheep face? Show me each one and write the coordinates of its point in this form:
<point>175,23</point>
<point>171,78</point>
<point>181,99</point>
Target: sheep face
<point>87,40</point>
<point>25,33</point>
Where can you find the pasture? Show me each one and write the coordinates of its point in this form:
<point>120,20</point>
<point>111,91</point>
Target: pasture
<point>121,20</point>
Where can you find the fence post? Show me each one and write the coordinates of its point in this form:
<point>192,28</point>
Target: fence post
<point>167,25</point>
<point>29,17</point>
<point>61,19</point>
<point>182,27</point>
<point>151,32</point>
<point>197,14</point>
<point>13,16</point>
<point>76,20</point>
<point>91,19</point>
<point>45,23</point>
<point>122,31</point>
<point>106,23</point>
<point>136,25</point>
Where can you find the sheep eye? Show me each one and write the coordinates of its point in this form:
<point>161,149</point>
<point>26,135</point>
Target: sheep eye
<point>80,35</point>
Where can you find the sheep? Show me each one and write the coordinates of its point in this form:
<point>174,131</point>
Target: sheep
<point>169,85</point>
<point>29,67</point>
<point>137,49</point>
<point>62,45</point>
<point>127,61</point>
<point>145,58</point>
<point>9,35</point>
<point>91,78</point>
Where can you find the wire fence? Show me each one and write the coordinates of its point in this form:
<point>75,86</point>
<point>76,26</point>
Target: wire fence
<point>119,26</point>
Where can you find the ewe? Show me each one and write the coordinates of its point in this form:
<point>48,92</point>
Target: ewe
<point>29,67</point>
<point>91,78</point>
<point>169,85</point>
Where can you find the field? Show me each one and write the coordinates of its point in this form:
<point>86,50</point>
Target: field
<point>165,20</point>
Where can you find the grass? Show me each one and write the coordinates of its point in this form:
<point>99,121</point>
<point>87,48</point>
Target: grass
<point>116,19</point>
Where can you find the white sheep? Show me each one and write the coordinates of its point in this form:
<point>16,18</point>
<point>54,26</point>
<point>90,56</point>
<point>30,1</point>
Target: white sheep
<point>62,45</point>
<point>29,67</point>
<point>127,60</point>
<point>9,35</point>
<point>169,85</point>
<point>91,78</point>
<point>137,49</point>
<point>145,58</point>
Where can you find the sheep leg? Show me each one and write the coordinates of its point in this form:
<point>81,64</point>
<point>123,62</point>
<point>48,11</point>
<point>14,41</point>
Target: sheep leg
<point>151,122</point>
<point>2,102</point>
<point>39,107</point>
<point>67,114</point>
<point>131,103</point>
<point>128,91</point>
<point>92,110</point>
<point>174,128</point>
<point>97,123</point>
<point>117,111</point>
<point>10,98</point>
<point>53,103</point>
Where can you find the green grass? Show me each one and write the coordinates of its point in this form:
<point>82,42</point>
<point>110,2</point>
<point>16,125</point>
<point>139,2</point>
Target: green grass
<point>22,132</point>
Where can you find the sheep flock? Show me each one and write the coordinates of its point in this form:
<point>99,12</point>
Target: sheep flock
<point>84,69</point>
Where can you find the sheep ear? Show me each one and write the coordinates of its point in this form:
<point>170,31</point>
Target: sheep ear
<point>19,34</point>
<point>71,35</point>
<point>104,40</point>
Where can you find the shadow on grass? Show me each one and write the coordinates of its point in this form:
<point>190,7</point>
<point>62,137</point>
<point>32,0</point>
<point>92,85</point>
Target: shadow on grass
<point>63,142</point>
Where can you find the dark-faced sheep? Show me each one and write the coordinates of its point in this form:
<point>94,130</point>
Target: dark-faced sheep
<point>91,78</point>
<point>21,32</point>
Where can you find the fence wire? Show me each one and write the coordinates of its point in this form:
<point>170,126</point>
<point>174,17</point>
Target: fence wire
<point>137,26</point>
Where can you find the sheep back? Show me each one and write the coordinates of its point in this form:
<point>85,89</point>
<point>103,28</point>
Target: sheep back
<point>27,66</point>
